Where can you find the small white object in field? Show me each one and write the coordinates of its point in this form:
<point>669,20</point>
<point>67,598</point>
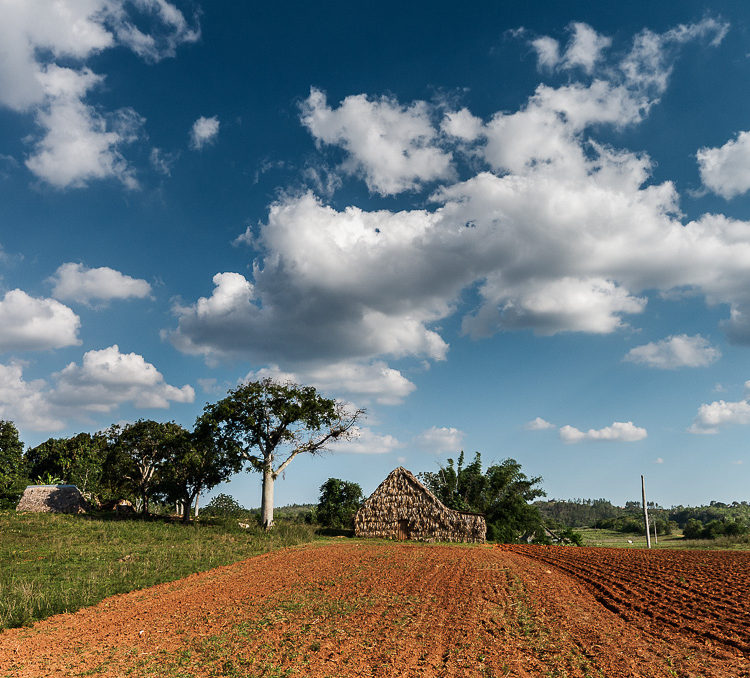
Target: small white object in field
<point>244,525</point>
<point>630,541</point>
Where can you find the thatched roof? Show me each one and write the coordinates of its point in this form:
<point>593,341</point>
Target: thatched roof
<point>402,508</point>
<point>405,475</point>
<point>52,499</point>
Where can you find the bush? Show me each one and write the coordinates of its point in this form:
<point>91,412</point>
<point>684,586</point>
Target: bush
<point>695,529</point>
<point>570,536</point>
<point>224,506</point>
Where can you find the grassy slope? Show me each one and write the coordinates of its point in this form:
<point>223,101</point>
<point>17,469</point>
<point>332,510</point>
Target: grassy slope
<point>57,563</point>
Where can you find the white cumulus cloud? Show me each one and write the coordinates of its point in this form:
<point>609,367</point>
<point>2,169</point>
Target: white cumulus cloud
<point>32,324</point>
<point>547,52</point>
<point>44,49</point>
<point>392,146</point>
<point>619,431</point>
<point>104,380</point>
<point>462,124</point>
<point>76,282</point>
<point>584,49</point>
<point>364,382</point>
<point>25,402</point>
<point>538,424</point>
<point>107,378</point>
<point>713,416</point>
<point>204,132</point>
<point>679,350</point>
<point>333,288</point>
<point>555,231</point>
<point>366,441</point>
<point>726,170</point>
<point>440,439</point>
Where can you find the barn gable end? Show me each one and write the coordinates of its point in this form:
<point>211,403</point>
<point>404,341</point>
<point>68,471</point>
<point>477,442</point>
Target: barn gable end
<point>52,499</point>
<point>402,508</point>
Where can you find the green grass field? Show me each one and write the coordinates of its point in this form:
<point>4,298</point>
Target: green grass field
<point>612,538</point>
<point>52,563</point>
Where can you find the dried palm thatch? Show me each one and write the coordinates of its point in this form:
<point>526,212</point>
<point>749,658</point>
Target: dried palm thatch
<point>52,499</point>
<point>402,508</point>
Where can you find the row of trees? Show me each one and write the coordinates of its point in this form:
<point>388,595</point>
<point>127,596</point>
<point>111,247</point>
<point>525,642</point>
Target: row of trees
<point>578,512</point>
<point>146,460</point>
<point>263,425</point>
<point>697,522</point>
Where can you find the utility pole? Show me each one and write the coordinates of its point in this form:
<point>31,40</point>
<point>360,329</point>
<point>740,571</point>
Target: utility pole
<point>645,512</point>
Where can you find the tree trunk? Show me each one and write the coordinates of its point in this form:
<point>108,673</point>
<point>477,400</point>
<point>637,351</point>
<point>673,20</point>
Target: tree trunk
<point>197,499</point>
<point>266,507</point>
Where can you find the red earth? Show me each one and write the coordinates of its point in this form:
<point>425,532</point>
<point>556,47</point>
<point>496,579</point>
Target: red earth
<point>392,609</point>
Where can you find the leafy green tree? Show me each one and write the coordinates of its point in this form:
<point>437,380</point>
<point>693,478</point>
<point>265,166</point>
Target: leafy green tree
<point>79,460</point>
<point>693,529</point>
<point>502,493</point>
<point>268,424</point>
<point>139,451</point>
<point>224,506</point>
<point>12,466</point>
<point>191,462</point>
<point>339,502</point>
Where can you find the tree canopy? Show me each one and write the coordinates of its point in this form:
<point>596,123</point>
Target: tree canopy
<point>338,504</point>
<point>12,467</point>
<point>138,453</point>
<point>191,463</point>
<point>79,460</point>
<point>268,424</point>
<point>502,493</point>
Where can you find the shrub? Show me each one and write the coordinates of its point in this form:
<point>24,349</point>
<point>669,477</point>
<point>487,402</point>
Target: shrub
<point>224,506</point>
<point>570,536</point>
<point>693,529</point>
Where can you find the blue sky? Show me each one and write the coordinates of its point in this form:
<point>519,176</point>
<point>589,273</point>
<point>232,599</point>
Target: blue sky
<point>517,229</point>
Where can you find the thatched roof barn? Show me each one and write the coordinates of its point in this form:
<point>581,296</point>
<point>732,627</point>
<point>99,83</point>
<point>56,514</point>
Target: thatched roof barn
<point>402,508</point>
<point>52,499</point>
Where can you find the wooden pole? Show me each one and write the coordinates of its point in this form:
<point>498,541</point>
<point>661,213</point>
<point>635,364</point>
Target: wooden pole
<point>656,536</point>
<point>645,512</point>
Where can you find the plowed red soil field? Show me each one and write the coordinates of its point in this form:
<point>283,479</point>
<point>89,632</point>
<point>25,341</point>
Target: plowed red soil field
<point>379,609</point>
<point>702,593</point>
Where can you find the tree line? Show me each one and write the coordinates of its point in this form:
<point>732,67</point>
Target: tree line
<point>697,522</point>
<point>261,425</point>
